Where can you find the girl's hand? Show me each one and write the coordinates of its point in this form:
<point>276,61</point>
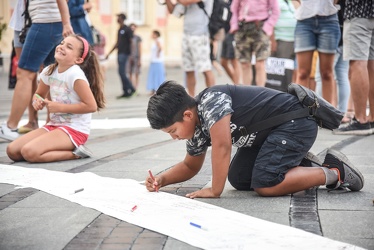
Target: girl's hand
<point>53,107</point>
<point>203,193</point>
<point>153,185</point>
<point>38,104</point>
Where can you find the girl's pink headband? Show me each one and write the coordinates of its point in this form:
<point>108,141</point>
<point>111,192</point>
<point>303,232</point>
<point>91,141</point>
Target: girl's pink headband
<point>86,46</point>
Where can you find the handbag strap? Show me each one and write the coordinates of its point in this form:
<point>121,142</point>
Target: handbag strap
<point>274,121</point>
<point>27,14</point>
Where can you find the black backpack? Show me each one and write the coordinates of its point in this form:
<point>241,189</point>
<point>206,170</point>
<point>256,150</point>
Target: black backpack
<point>314,105</point>
<point>220,17</point>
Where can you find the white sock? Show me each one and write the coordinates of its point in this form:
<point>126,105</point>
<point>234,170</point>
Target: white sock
<point>331,175</point>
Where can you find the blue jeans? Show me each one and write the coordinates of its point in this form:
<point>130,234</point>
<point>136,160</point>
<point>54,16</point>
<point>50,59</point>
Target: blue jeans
<point>127,87</point>
<point>341,68</point>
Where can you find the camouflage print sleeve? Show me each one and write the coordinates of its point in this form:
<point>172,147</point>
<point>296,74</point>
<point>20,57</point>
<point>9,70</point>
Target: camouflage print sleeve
<point>213,106</point>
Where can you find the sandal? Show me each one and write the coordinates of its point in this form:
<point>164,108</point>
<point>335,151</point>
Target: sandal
<point>27,128</point>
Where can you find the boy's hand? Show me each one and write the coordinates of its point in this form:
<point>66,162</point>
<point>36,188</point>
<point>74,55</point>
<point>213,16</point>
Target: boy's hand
<point>203,193</point>
<point>153,185</point>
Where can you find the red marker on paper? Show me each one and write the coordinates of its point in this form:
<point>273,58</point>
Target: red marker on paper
<point>152,177</point>
<point>134,208</point>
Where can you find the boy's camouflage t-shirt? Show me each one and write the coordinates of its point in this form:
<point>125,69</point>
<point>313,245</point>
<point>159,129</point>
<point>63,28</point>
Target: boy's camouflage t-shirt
<point>247,105</point>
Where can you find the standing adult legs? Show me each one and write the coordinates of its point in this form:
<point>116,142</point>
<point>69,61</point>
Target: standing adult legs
<point>341,72</point>
<point>21,96</point>
<point>33,114</point>
<point>191,82</point>
<point>209,78</point>
<point>127,87</point>
<point>359,80</point>
<point>304,66</point>
<point>371,90</point>
<point>260,73</point>
<point>326,62</point>
<point>247,73</point>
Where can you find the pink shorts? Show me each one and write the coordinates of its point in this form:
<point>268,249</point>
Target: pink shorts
<point>78,138</point>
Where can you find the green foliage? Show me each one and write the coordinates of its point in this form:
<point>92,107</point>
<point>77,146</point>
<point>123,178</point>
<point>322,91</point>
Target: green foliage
<point>3,27</point>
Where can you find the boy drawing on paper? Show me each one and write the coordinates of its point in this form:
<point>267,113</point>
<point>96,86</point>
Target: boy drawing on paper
<point>272,163</point>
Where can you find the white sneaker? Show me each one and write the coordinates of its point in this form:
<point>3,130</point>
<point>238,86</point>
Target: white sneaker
<point>82,152</point>
<point>7,133</point>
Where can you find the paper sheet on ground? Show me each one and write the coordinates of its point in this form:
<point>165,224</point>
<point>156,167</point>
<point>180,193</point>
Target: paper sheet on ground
<point>166,213</point>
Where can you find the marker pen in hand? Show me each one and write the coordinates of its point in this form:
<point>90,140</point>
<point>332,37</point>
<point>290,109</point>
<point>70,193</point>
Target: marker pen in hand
<point>152,177</point>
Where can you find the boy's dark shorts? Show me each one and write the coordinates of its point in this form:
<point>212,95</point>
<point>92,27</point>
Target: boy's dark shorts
<point>283,149</point>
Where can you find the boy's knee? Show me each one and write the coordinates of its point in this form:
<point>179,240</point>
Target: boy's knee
<point>238,184</point>
<point>266,192</point>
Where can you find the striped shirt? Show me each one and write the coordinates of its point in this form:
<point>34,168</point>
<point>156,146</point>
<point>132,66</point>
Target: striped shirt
<point>44,11</point>
<point>285,27</point>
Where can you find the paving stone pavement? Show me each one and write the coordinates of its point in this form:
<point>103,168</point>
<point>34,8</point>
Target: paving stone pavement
<point>31,219</point>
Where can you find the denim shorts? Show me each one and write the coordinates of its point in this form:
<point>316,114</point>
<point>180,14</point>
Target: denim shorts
<point>39,46</point>
<point>320,33</point>
<point>266,166</point>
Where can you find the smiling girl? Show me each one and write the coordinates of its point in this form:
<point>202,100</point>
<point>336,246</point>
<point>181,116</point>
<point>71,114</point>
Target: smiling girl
<point>75,85</point>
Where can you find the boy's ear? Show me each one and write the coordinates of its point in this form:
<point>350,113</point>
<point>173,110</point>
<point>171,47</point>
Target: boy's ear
<point>188,114</point>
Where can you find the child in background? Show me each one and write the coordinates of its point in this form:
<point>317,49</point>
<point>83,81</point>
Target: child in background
<point>76,87</point>
<point>135,60</point>
<point>99,48</point>
<point>156,74</point>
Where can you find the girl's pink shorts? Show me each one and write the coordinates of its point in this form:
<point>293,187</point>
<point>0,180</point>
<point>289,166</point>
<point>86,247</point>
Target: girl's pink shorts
<point>78,138</point>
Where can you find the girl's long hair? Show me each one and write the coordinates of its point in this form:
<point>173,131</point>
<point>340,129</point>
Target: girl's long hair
<point>91,69</point>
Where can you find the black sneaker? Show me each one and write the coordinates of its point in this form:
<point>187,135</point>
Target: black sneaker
<point>372,127</point>
<point>353,128</point>
<point>349,176</point>
<point>311,160</point>
<point>124,96</point>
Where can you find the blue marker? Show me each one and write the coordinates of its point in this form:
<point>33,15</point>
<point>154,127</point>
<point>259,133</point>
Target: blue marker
<point>198,226</point>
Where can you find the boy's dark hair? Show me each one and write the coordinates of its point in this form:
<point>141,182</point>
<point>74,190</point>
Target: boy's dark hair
<point>168,104</point>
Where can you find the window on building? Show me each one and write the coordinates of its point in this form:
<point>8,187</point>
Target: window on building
<point>134,10</point>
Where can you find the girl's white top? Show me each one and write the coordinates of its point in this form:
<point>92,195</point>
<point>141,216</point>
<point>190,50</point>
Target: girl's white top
<point>310,8</point>
<point>154,49</point>
<point>62,91</point>
<point>17,20</point>
<point>44,11</point>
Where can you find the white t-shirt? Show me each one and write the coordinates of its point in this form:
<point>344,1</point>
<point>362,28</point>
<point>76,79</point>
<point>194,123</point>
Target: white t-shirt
<point>195,20</point>
<point>44,11</point>
<point>310,8</point>
<point>154,49</point>
<point>62,90</point>
<point>17,20</point>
